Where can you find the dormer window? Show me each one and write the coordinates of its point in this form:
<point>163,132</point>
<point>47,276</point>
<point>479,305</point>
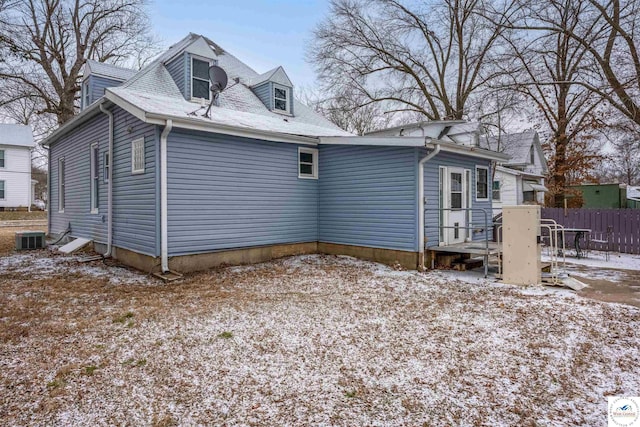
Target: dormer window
<point>200,78</point>
<point>281,98</point>
<point>532,158</point>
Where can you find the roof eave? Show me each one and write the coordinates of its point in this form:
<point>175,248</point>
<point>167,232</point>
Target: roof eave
<point>199,125</point>
<point>413,141</point>
<point>83,116</point>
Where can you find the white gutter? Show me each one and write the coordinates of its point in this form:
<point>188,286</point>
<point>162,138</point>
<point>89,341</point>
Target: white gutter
<point>110,186</point>
<point>164,227</point>
<point>421,200</point>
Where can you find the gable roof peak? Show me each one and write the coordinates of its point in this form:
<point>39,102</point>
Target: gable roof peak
<point>276,75</point>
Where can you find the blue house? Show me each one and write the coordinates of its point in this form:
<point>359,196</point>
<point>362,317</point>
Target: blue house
<point>153,182</point>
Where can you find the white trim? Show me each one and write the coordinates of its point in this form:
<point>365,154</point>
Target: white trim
<point>414,141</point>
<point>62,185</point>
<point>106,167</point>
<point>134,170</point>
<point>482,199</point>
<point>4,189</point>
<point>499,199</point>
<point>314,164</point>
<point>94,175</point>
<point>191,77</point>
<point>4,159</point>
<point>185,123</point>
<point>287,98</point>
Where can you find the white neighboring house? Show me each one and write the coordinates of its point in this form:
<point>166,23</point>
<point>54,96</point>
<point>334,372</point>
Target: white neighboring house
<point>16,186</point>
<point>520,180</point>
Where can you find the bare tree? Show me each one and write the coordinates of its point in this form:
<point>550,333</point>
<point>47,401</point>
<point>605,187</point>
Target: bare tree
<point>607,31</point>
<point>550,65</point>
<point>45,43</point>
<point>347,111</point>
<point>421,57</point>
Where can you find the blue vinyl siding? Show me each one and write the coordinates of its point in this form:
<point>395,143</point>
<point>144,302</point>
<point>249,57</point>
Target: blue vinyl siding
<point>98,84</point>
<point>227,192</point>
<point>179,69</point>
<point>75,149</point>
<point>263,92</point>
<point>432,189</point>
<point>134,197</point>
<point>368,196</point>
<point>96,88</point>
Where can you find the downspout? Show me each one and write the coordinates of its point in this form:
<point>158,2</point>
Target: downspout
<point>164,234</point>
<point>421,200</point>
<point>110,185</point>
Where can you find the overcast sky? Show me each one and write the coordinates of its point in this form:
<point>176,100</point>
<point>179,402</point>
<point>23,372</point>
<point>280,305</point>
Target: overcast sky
<point>263,34</point>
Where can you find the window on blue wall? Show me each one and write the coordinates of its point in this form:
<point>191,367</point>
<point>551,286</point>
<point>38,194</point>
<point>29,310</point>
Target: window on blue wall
<point>61,185</point>
<point>2,196</point>
<point>307,163</point>
<point>199,79</point>
<point>106,165</point>
<point>1,158</point>
<point>85,94</point>
<point>94,177</point>
<point>482,183</point>
<point>137,156</point>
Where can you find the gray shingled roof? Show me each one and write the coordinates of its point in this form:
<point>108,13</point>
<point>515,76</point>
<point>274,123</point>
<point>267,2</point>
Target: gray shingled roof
<point>515,145</point>
<point>14,134</point>
<point>108,70</point>
<point>154,91</point>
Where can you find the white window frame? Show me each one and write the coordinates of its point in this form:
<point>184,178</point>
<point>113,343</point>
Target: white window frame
<point>135,148</point>
<point>4,158</point>
<point>532,156</point>
<point>106,165</point>
<point>483,199</point>
<point>4,189</point>
<point>85,93</point>
<point>191,77</point>
<point>499,199</point>
<point>287,99</point>
<point>314,164</point>
<point>62,177</point>
<point>94,167</point>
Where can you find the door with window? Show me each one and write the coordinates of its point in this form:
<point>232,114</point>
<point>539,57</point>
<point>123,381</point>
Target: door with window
<point>456,200</point>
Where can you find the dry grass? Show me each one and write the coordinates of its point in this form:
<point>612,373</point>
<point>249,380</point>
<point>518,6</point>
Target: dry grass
<point>22,215</point>
<point>306,340</point>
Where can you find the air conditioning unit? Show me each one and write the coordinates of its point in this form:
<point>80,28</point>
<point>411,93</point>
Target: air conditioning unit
<point>30,240</point>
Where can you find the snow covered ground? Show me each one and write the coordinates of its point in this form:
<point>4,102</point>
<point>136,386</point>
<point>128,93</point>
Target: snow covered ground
<point>308,340</point>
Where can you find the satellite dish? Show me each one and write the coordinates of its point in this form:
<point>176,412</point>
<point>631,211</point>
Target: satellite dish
<point>218,78</point>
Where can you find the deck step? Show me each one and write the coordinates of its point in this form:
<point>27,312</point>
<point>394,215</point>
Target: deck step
<point>468,264</point>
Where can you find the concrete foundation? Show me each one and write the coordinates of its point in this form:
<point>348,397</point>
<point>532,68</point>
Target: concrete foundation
<point>408,260</point>
<point>205,261</point>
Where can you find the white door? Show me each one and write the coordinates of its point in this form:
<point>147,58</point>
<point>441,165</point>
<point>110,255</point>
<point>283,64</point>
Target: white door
<point>456,197</point>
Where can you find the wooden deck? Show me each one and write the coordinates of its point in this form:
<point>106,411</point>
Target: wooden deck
<point>477,247</point>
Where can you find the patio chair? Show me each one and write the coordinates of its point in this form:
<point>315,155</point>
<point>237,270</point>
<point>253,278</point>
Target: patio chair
<point>606,241</point>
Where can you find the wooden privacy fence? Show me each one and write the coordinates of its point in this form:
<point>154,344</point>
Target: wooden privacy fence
<point>625,224</point>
